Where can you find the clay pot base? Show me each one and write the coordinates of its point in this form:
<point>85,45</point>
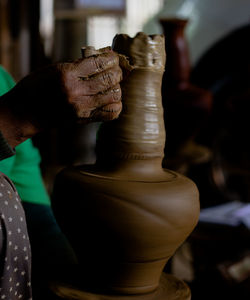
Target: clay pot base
<point>170,288</point>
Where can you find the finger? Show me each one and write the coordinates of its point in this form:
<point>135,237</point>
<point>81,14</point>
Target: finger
<point>96,64</point>
<point>110,96</point>
<point>91,51</point>
<point>105,49</point>
<point>107,113</point>
<point>85,105</point>
<point>103,81</point>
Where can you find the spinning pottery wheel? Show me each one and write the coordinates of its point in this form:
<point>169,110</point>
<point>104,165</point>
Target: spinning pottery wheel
<point>170,288</point>
<point>126,215</point>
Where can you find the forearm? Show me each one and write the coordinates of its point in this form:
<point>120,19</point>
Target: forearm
<point>27,108</point>
<point>86,90</point>
<point>14,128</point>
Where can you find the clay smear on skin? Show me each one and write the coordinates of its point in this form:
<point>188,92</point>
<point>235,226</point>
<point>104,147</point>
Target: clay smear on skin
<point>123,62</point>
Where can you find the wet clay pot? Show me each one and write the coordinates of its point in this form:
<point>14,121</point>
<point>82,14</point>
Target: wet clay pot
<point>186,106</point>
<point>125,216</point>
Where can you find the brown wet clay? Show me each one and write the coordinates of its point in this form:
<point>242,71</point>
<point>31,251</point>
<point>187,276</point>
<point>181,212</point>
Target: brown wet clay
<point>125,216</point>
<point>186,106</point>
<point>170,288</point>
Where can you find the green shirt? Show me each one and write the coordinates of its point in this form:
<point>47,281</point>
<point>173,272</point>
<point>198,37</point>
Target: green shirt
<point>24,167</point>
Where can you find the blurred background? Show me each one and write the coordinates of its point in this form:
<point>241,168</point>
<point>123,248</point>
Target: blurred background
<point>205,94</point>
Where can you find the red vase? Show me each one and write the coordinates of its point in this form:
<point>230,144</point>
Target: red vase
<point>186,106</point>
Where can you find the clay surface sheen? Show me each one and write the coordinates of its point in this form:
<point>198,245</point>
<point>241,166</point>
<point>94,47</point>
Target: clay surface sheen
<point>126,214</point>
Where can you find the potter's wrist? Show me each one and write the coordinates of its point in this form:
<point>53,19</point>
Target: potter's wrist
<point>33,101</point>
<point>5,149</point>
<point>42,99</point>
<point>13,126</point>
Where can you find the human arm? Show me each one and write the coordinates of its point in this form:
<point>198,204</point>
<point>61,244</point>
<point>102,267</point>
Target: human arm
<point>85,90</point>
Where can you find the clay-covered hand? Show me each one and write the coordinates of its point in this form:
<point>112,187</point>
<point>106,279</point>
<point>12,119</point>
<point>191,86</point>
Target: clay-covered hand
<point>85,90</point>
<point>92,86</point>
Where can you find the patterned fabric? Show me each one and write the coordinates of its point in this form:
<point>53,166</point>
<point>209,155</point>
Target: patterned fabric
<point>15,254</point>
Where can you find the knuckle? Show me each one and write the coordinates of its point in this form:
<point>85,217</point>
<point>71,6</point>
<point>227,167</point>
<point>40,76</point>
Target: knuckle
<point>110,96</point>
<point>112,76</point>
<point>108,112</point>
<point>90,88</point>
<point>108,78</point>
<point>98,63</point>
<point>83,107</point>
<point>116,94</point>
<point>89,101</point>
<point>115,59</point>
<point>105,61</point>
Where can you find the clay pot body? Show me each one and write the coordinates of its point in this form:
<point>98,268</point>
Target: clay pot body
<point>186,106</point>
<point>125,216</point>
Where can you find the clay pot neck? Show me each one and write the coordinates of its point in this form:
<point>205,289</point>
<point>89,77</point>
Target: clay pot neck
<point>139,132</point>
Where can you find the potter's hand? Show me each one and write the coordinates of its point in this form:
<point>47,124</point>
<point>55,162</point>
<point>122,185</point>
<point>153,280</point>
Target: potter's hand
<point>87,90</point>
<point>92,86</point>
